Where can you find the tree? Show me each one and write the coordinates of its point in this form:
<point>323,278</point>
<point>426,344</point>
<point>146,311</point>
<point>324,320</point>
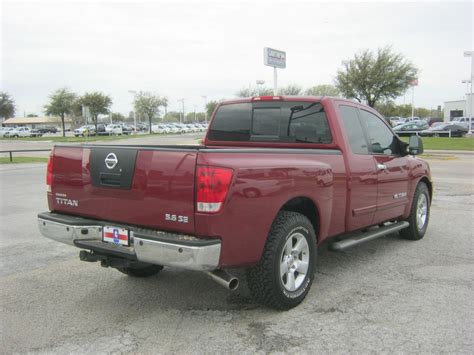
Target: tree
<point>118,117</point>
<point>390,109</point>
<point>323,90</point>
<point>149,104</point>
<point>7,105</point>
<point>172,116</point>
<point>60,104</point>
<point>210,107</point>
<point>373,77</point>
<point>254,91</point>
<point>98,103</point>
<point>291,89</point>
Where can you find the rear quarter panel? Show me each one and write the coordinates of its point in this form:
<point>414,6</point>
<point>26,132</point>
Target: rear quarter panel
<point>262,184</point>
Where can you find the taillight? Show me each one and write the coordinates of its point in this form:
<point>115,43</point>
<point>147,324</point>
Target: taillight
<point>49,172</point>
<point>212,184</point>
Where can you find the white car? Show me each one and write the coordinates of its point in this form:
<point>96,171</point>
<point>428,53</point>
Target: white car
<point>461,121</point>
<point>4,130</point>
<point>160,129</point>
<point>18,132</point>
<point>185,128</point>
<point>174,128</point>
<point>114,129</point>
<point>87,130</point>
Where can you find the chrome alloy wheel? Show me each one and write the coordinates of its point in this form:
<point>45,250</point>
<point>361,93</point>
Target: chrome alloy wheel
<point>421,211</point>
<point>294,262</point>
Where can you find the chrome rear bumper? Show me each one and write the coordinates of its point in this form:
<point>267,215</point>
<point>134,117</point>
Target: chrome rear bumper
<point>154,247</point>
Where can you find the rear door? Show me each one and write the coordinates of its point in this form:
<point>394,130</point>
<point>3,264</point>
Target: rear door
<point>392,168</point>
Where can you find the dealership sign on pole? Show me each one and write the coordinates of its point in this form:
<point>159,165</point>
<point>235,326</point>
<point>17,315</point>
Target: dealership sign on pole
<point>276,59</point>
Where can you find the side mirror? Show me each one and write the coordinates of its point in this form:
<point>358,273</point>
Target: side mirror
<point>415,145</point>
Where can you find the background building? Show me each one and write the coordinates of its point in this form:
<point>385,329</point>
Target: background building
<point>38,122</point>
<point>458,108</point>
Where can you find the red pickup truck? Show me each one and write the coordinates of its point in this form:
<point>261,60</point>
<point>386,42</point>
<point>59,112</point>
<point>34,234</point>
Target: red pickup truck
<point>274,178</point>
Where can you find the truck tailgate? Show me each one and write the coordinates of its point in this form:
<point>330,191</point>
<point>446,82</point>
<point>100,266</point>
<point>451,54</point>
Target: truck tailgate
<point>143,186</point>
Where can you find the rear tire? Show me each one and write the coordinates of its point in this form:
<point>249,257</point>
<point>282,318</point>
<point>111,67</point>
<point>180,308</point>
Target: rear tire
<point>146,271</point>
<point>419,214</point>
<point>284,274</point>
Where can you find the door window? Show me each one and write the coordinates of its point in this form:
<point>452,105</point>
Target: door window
<point>381,138</point>
<point>354,131</point>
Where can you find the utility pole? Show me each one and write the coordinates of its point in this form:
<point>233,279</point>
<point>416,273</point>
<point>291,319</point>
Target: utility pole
<point>205,106</point>
<point>182,102</point>
<point>469,98</point>
<point>134,112</point>
<point>275,81</point>
<point>413,83</point>
<point>259,86</point>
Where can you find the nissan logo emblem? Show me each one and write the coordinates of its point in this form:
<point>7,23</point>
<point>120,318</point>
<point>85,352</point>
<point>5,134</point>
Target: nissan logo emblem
<point>111,161</point>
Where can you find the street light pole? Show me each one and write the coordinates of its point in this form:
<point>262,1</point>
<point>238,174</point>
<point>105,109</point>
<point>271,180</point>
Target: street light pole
<point>259,86</point>
<point>205,106</point>
<point>182,102</point>
<point>469,99</point>
<point>134,112</point>
<point>467,82</point>
<point>275,81</point>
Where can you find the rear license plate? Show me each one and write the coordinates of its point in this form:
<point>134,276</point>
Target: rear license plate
<point>116,235</point>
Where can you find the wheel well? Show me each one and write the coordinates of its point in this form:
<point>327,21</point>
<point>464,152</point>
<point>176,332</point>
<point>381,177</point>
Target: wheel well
<point>430,186</point>
<point>306,207</point>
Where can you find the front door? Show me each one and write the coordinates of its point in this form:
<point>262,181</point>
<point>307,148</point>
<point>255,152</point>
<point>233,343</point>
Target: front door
<point>362,184</point>
<point>392,168</point>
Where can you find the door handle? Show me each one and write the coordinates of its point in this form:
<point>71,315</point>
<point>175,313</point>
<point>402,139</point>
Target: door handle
<point>381,166</point>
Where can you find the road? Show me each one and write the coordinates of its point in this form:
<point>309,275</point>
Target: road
<point>389,295</point>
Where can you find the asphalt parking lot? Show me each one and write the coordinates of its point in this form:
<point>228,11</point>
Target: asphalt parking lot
<point>389,295</point>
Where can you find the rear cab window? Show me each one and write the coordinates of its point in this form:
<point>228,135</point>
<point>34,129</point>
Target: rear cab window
<point>279,121</point>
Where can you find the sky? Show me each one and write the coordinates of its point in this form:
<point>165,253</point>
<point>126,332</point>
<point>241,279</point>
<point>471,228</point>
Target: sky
<point>213,49</point>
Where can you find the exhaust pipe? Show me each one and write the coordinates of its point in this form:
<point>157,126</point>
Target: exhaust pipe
<point>223,278</point>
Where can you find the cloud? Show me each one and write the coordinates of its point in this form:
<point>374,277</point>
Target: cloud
<point>214,49</point>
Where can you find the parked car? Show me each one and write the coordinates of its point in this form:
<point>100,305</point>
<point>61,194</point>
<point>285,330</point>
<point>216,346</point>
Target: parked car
<point>114,129</point>
<point>174,128</point>
<point>461,121</point>
<point>433,120</point>
<point>84,131</point>
<point>160,129</point>
<point>127,129</point>
<point>256,195</point>
<point>142,127</point>
<point>395,121</point>
<point>45,130</point>
<point>4,130</point>
<point>442,130</point>
<point>18,132</point>
<point>35,133</point>
<point>407,129</point>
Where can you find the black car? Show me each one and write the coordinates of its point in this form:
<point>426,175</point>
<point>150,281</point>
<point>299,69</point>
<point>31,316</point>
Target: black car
<point>410,128</point>
<point>35,133</point>
<point>127,129</point>
<point>443,130</point>
<point>101,129</point>
<point>45,130</point>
